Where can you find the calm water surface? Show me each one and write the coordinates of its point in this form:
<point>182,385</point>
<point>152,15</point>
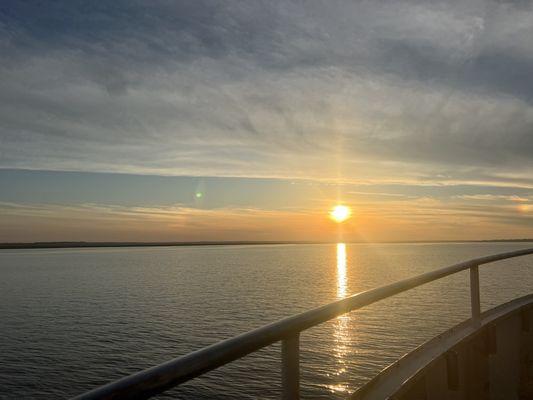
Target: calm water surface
<point>74,319</point>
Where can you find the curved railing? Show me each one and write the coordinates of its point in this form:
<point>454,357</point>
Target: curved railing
<point>157,379</point>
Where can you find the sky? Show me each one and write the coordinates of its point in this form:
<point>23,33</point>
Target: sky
<point>249,120</point>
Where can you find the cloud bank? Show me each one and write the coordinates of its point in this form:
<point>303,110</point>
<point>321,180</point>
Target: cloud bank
<point>405,90</point>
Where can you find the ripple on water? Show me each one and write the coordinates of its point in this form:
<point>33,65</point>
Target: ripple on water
<point>74,319</point>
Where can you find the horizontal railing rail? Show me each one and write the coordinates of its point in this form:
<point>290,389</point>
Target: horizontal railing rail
<point>158,379</point>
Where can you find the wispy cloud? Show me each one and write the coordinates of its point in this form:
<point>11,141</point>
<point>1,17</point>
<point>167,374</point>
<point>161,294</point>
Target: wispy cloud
<point>397,219</point>
<point>415,112</point>
<point>270,89</point>
<point>493,197</point>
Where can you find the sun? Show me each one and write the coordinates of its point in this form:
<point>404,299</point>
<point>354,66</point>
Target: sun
<point>340,213</point>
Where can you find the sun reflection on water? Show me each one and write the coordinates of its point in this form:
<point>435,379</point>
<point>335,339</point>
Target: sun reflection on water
<point>341,270</point>
<point>341,334</point>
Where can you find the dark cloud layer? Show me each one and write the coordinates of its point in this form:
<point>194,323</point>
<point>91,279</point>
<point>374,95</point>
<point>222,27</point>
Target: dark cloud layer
<point>380,89</point>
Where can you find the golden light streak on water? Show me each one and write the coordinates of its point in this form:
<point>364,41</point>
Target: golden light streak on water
<point>341,270</point>
<point>341,334</point>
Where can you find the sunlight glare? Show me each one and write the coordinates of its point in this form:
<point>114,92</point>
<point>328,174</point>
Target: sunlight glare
<point>340,213</point>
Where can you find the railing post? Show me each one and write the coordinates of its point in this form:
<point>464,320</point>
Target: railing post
<point>474,294</point>
<point>290,367</point>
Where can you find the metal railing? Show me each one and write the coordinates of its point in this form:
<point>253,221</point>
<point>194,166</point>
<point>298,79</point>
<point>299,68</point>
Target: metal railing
<point>157,379</point>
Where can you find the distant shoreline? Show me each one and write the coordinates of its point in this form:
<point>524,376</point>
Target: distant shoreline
<point>68,245</point>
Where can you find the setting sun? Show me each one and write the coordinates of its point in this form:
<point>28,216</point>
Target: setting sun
<point>340,213</point>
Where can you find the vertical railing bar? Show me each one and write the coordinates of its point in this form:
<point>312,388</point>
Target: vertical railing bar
<point>290,367</point>
<point>474,294</point>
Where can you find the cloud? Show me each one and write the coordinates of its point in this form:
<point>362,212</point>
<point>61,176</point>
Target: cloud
<point>493,197</point>
<point>397,219</point>
<point>406,90</point>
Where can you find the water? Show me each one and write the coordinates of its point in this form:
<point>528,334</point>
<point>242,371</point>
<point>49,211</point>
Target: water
<point>73,319</point>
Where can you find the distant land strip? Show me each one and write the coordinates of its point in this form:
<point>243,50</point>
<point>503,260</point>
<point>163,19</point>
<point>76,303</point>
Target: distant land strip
<point>55,245</point>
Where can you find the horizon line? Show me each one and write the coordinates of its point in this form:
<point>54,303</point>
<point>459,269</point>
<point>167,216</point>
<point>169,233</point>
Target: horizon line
<point>86,244</point>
